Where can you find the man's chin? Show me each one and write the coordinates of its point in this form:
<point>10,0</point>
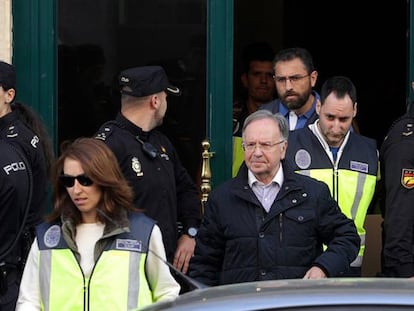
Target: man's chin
<point>257,168</point>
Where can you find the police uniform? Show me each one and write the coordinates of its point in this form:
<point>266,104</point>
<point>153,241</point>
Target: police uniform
<point>397,170</point>
<point>14,130</point>
<point>19,135</point>
<point>15,194</point>
<point>15,133</point>
<point>351,178</point>
<point>161,185</point>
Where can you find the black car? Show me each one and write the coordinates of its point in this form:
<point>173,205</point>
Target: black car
<point>362,294</point>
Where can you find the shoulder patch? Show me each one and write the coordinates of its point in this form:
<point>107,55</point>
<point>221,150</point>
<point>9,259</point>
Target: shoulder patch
<point>105,131</point>
<point>12,132</point>
<point>407,178</point>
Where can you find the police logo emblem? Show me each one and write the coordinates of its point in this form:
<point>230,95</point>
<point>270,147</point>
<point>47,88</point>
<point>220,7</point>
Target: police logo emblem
<point>303,159</point>
<point>136,166</point>
<point>407,178</point>
<point>52,236</point>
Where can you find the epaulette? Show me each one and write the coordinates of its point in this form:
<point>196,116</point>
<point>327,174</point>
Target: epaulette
<point>12,132</point>
<point>407,127</point>
<point>106,130</point>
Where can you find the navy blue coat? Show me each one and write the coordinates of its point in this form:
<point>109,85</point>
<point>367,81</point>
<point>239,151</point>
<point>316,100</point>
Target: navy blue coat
<point>239,242</point>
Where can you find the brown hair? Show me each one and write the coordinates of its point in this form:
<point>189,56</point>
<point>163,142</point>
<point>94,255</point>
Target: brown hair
<point>101,166</point>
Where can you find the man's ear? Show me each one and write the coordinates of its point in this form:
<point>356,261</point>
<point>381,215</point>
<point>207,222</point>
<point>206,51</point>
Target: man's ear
<point>154,101</point>
<point>283,148</point>
<point>318,106</point>
<point>9,95</point>
<point>314,77</point>
<point>355,109</point>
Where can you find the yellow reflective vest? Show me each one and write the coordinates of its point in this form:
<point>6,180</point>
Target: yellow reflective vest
<point>118,279</point>
<point>351,179</point>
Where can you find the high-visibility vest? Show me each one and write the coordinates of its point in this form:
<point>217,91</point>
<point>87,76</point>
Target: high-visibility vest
<point>352,180</point>
<point>117,281</point>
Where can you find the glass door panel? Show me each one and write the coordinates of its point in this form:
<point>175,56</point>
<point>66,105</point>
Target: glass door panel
<point>98,39</point>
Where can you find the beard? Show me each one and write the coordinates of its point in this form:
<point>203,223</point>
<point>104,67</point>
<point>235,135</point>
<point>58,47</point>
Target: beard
<point>296,102</point>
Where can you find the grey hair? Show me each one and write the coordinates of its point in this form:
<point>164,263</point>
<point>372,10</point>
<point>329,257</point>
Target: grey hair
<point>279,119</point>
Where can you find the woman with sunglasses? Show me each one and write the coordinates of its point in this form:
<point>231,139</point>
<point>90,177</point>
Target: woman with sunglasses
<point>96,251</point>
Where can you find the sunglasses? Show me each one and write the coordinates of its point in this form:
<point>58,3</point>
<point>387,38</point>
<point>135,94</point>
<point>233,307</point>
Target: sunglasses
<point>68,181</point>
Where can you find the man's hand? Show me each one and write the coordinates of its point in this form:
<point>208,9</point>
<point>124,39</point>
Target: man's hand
<point>315,273</point>
<point>184,252</point>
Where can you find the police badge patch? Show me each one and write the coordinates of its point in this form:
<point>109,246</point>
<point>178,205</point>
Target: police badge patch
<point>303,159</point>
<point>407,178</point>
<point>52,236</point>
<point>136,166</point>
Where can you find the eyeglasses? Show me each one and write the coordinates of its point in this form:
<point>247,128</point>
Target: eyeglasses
<point>267,146</point>
<point>69,181</point>
<point>292,79</point>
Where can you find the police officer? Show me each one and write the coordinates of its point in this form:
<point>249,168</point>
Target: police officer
<point>397,174</point>
<point>15,194</point>
<point>22,129</point>
<point>162,186</point>
<point>330,151</point>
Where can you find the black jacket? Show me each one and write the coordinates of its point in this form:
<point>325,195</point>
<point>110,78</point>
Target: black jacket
<point>239,242</point>
<point>162,186</point>
<point>20,136</point>
<point>15,195</point>
<point>397,176</point>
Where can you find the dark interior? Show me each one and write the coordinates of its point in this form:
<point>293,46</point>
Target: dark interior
<point>97,39</point>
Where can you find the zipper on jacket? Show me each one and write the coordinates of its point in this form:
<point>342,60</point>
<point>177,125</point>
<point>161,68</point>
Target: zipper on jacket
<point>335,191</point>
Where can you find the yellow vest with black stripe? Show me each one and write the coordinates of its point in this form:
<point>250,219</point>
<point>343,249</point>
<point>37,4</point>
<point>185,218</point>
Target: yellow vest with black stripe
<point>117,282</point>
<point>352,180</point>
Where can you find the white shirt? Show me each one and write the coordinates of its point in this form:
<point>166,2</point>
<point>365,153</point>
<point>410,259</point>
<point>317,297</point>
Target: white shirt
<point>293,119</point>
<point>266,194</point>
<point>86,237</point>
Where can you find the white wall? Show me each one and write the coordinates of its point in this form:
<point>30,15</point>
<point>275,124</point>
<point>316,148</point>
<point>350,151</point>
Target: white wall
<point>6,31</point>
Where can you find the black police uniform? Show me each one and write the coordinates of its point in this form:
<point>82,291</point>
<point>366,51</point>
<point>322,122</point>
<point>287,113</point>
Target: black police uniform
<point>15,194</point>
<point>162,186</point>
<point>16,133</point>
<point>397,175</point>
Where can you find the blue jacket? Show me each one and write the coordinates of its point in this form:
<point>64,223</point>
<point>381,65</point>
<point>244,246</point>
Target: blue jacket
<point>239,242</point>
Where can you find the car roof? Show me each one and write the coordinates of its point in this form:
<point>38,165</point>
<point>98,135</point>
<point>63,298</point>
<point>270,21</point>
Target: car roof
<point>331,294</point>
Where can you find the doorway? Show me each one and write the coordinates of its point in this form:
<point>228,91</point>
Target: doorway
<point>368,44</point>
<point>98,39</point>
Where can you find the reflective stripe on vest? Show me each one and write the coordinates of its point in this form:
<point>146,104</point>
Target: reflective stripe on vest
<point>353,191</point>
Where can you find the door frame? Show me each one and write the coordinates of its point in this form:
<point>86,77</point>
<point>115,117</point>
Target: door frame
<point>35,57</point>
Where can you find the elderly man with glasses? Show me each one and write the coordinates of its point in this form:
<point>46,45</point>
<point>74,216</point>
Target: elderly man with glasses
<point>268,222</point>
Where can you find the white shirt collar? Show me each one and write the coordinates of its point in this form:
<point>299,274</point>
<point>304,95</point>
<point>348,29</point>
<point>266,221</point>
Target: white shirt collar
<point>278,178</point>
